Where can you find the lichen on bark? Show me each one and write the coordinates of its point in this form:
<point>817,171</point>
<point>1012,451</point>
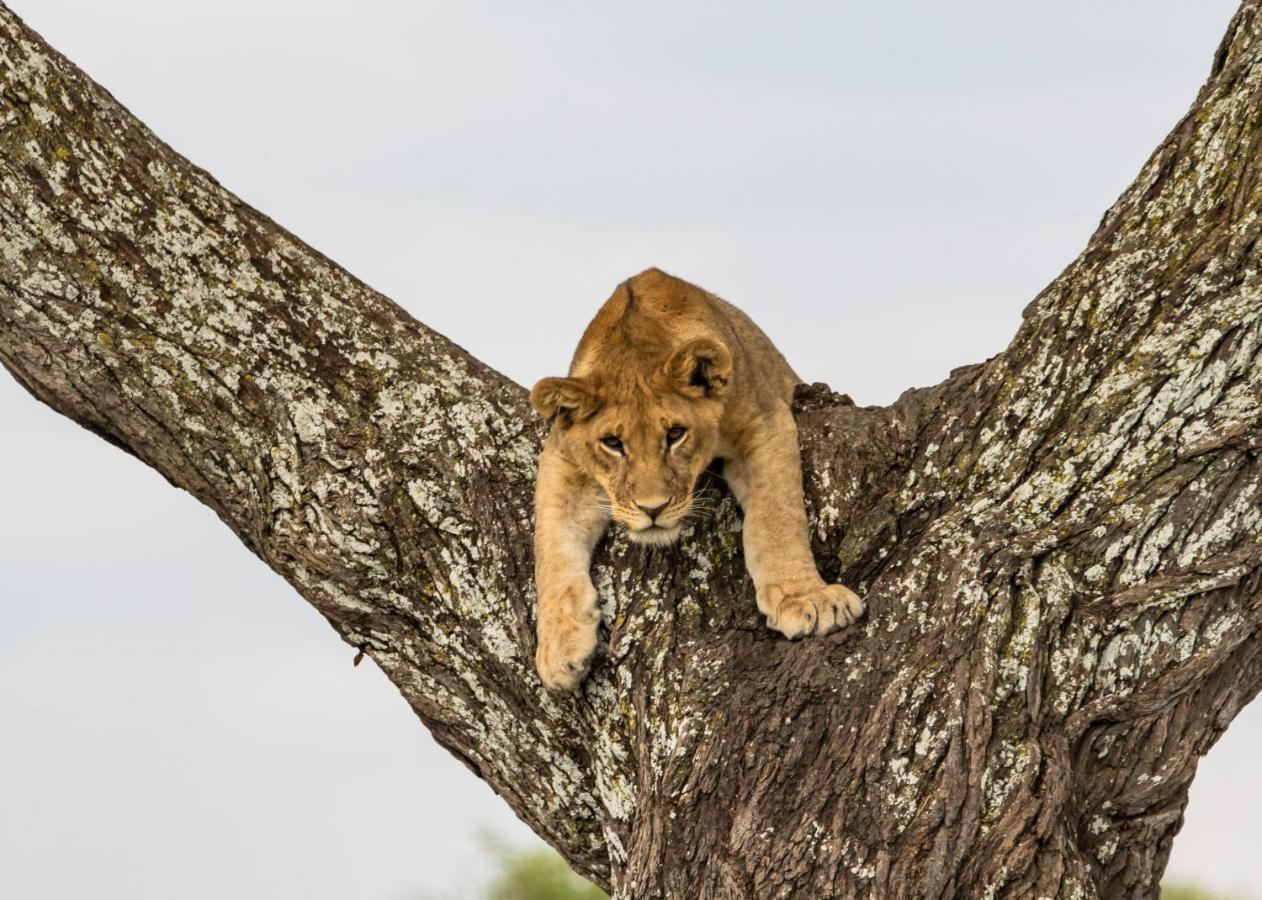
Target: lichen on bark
<point>1060,547</point>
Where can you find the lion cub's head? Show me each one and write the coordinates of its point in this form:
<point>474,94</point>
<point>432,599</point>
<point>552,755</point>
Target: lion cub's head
<point>644,432</point>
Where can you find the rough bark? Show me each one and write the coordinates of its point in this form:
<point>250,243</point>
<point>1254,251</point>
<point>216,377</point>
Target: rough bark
<point>1061,547</point>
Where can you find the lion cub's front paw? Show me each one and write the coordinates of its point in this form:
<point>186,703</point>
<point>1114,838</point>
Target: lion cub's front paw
<point>567,635</point>
<point>796,610</point>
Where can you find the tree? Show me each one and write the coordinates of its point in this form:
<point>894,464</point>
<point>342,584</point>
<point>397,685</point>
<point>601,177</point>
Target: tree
<point>1060,547</point>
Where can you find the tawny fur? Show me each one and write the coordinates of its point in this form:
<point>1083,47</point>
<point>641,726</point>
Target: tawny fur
<point>662,354</point>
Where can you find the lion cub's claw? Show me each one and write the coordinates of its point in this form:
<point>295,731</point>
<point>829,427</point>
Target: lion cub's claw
<point>817,609</point>
<point>565,655</point>
<point>839,607</point>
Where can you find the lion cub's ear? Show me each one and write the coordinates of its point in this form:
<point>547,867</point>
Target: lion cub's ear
<point>564,399</point>
<point>700,367</point>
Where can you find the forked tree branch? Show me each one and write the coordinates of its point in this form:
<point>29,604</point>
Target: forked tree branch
<point>1061,548</point>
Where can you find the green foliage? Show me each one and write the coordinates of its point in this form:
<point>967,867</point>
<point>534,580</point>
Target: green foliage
<point>537,875</point>
<point>1184,891</point>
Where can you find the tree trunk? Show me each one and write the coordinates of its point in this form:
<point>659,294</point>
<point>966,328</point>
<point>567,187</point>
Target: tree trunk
<point>1060,548</point>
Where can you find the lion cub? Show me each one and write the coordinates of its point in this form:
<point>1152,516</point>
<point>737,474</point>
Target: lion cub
<point>666,379</point>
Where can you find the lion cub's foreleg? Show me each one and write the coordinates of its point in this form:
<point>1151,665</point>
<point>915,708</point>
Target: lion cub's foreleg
<point>766,477</point>
<point>571,513</point>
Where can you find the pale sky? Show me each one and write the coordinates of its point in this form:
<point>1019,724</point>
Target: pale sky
<point>882,186</point>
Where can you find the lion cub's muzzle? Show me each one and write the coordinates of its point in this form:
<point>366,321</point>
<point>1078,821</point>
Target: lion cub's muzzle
<point>657,521</point>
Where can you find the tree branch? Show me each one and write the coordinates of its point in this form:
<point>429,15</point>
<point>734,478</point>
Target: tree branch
<point>1061,548</point>
<point>375,465</point>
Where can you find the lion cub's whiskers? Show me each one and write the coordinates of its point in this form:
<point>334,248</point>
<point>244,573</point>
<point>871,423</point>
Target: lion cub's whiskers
<point>704,504</point>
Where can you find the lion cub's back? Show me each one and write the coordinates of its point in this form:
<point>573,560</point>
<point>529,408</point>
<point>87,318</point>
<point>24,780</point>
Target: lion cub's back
<point>763,362</point>
<point>644,319</point>
<point>649,315</point>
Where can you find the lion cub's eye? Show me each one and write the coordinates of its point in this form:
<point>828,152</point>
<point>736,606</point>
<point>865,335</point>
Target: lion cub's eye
<point>612,442</point>
<point>676,434</point>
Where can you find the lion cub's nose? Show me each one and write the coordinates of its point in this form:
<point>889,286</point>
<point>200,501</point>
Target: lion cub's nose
<point>652,511</point>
